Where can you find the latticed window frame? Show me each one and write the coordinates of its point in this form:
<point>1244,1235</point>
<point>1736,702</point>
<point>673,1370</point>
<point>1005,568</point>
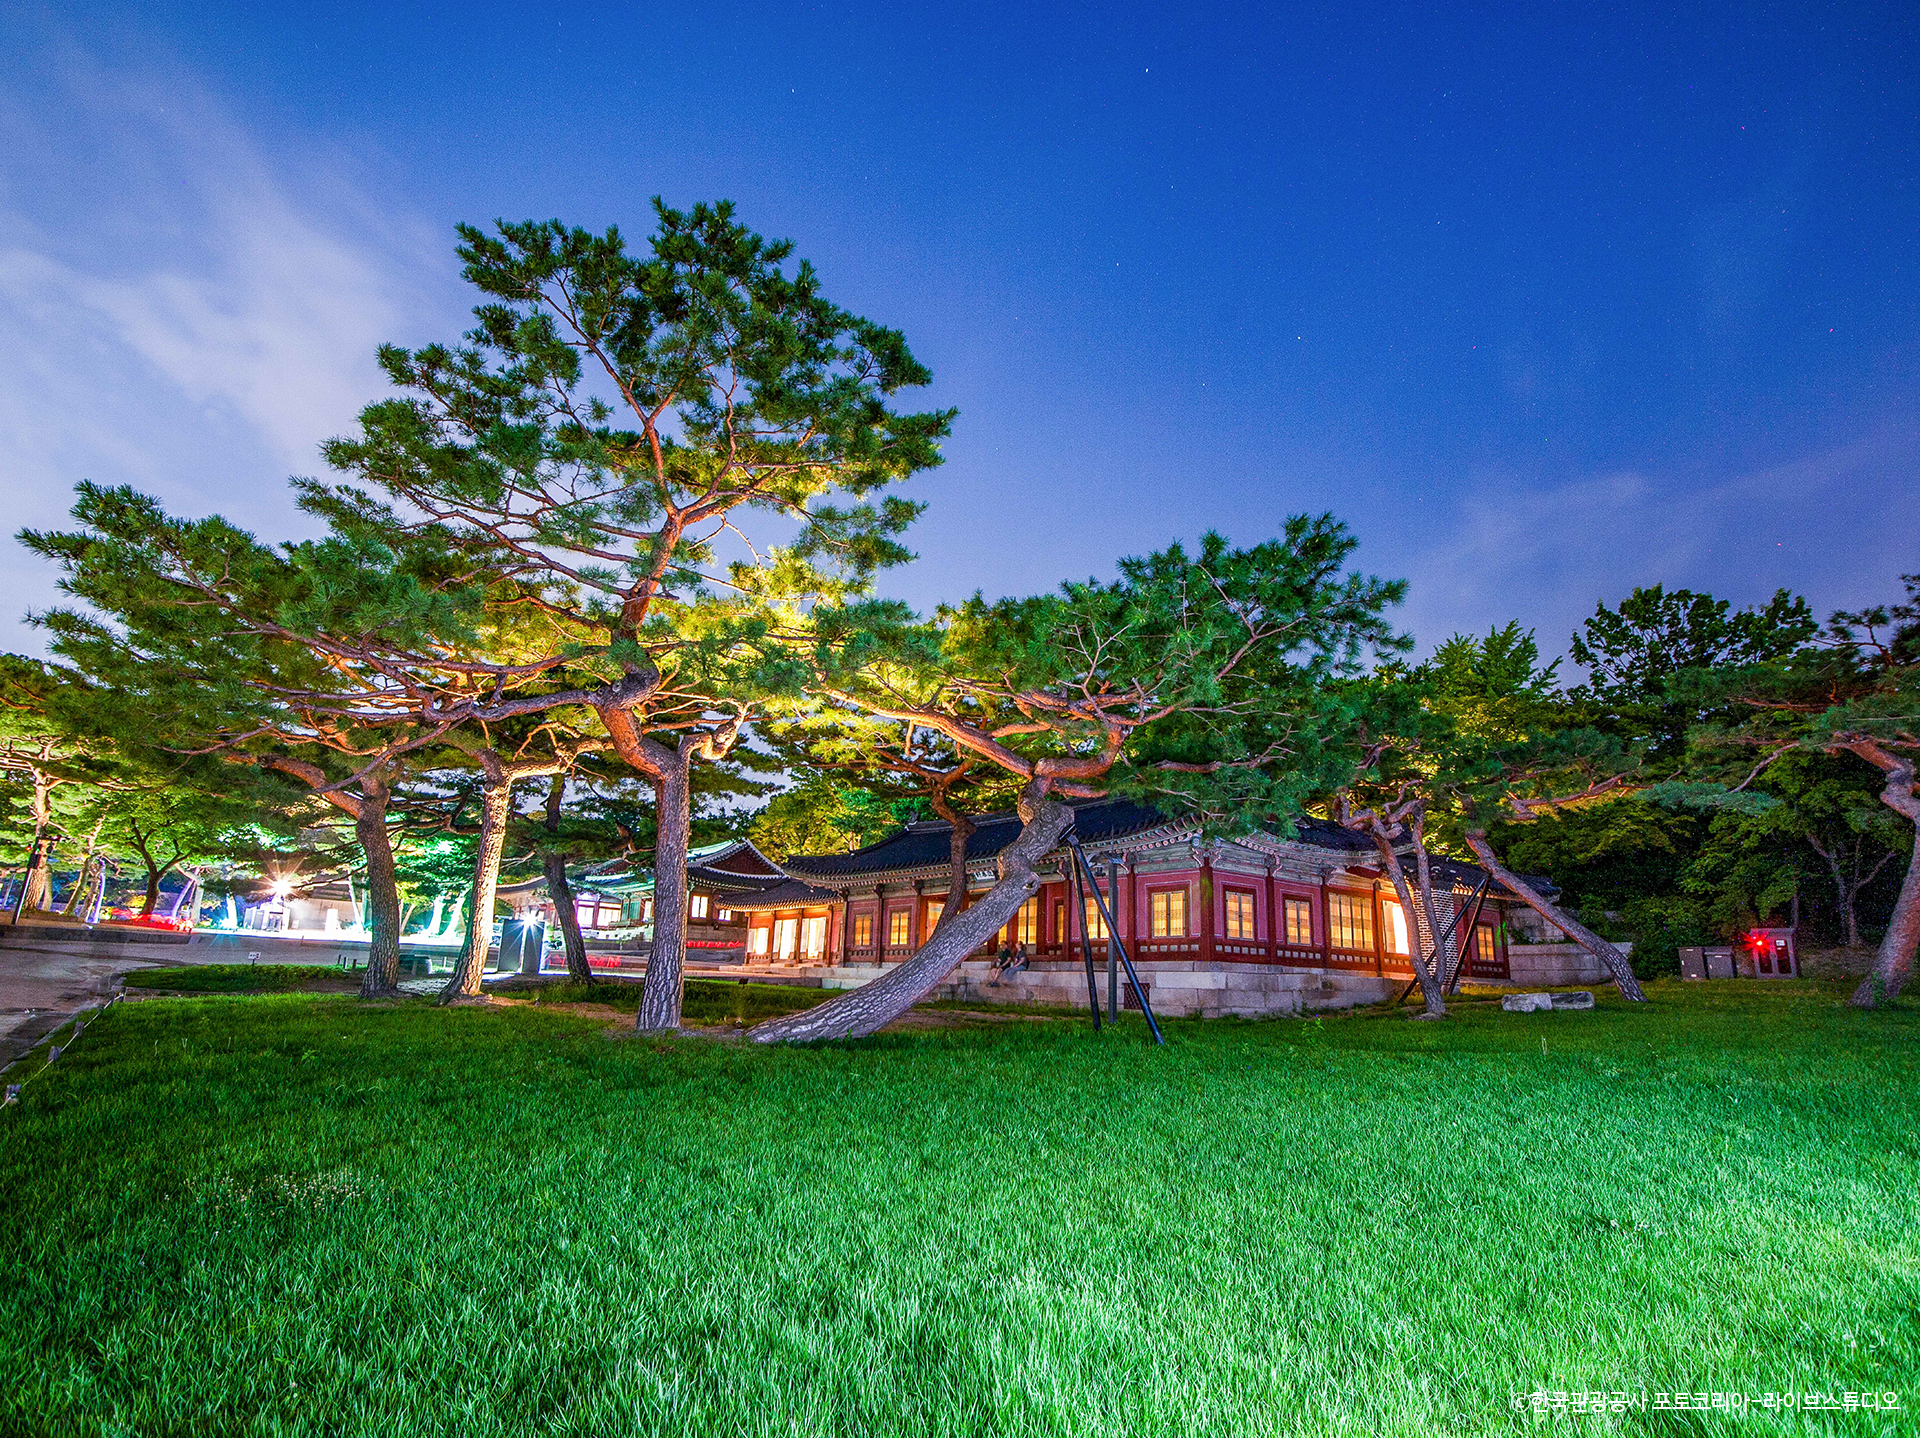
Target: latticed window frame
<point>1164,907</point>
<point>1299,916</point>
<point>1241,916</point>
<point>1350,921</point>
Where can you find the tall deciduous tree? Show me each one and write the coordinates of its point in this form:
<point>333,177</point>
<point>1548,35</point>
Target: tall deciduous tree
<point>609,427</point>
<point>1196,681</point>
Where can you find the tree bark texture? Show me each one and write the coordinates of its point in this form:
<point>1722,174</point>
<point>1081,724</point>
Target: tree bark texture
<point>1443,957</point>
<point>72,907</point>
<point>873,1006</point>
<point>495,805</point>
<point>37,886</point>
<point>665,981</point>
<point>566,912</point>
<point>383,894</point>
<point>1846,893</point>
<point>1615,961</point>
<point>1893,964</point>
<point>963,830</point>
<point>1430,984</point>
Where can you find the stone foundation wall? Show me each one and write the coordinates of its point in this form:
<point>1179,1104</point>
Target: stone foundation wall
<point>1537,965</point>
<point>1176,989</point>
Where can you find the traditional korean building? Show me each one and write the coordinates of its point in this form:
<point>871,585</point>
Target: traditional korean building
<point>718,876</point>
<point>1260,923</point>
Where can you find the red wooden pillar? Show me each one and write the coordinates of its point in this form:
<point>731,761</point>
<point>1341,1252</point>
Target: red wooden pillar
<point>1326,924</point>
<point>1206,908</point>
<point>1379,934</point>
<point>1133,909</point>
<point>1273,920</point>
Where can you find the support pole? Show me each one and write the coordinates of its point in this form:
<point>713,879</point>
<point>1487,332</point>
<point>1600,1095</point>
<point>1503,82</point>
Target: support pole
<point>1086,948</point>
<point>1473,920</point>
<point>1139,989</point>
<point>1439,945</point>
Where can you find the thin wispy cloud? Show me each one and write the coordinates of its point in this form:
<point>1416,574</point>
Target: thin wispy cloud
<point>1546,554</point>
<point>202,338</point>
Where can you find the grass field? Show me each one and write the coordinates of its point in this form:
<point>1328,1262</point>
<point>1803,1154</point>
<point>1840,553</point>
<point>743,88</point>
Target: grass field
<point>244,978</point>
<point>299,1214</point>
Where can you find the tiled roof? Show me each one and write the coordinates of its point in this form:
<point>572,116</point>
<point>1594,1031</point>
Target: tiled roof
<point>710,865</point>
<point>1459,874</point>
<point>726,881</point>
<point>793,894</point>
<point>924,845</point>
<point>1097,821</point>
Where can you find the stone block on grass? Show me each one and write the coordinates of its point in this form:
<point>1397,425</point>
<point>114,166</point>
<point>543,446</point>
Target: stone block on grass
<point>1526,1003</point>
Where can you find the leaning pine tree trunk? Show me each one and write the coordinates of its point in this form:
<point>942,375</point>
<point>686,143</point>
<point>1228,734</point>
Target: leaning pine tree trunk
<point>661,989</point>
<point>495,803</point>
<point>873,1006</point>
<point>383,895</point>
<point>1893,965</point>
<point>1606,953</point>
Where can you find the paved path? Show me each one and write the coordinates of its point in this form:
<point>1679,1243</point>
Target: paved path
<point>50,972</point>
<point>47,974</point>
<point>42,984</point>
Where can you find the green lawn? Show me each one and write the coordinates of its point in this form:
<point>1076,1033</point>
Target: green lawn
<point>707,1001</point>
<point>298,1214</point>
<point>243,978</point>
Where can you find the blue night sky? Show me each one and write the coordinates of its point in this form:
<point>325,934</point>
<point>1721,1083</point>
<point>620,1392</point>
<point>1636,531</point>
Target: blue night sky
<point>1545,306</point>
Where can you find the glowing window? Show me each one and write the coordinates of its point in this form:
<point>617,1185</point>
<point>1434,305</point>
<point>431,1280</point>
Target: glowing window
<point>899,928</point>
<point>1095,924</point>
<point>1350,921</point>
<point>862,930</point>
<point>757,940</point>
<point>1299,921</point>
<point>699,906</point>
<point>1396,922</point>
<point>1239,914</point>
<point>934,911</point>
<point>1167,913</point>
<point>1026,923</point>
